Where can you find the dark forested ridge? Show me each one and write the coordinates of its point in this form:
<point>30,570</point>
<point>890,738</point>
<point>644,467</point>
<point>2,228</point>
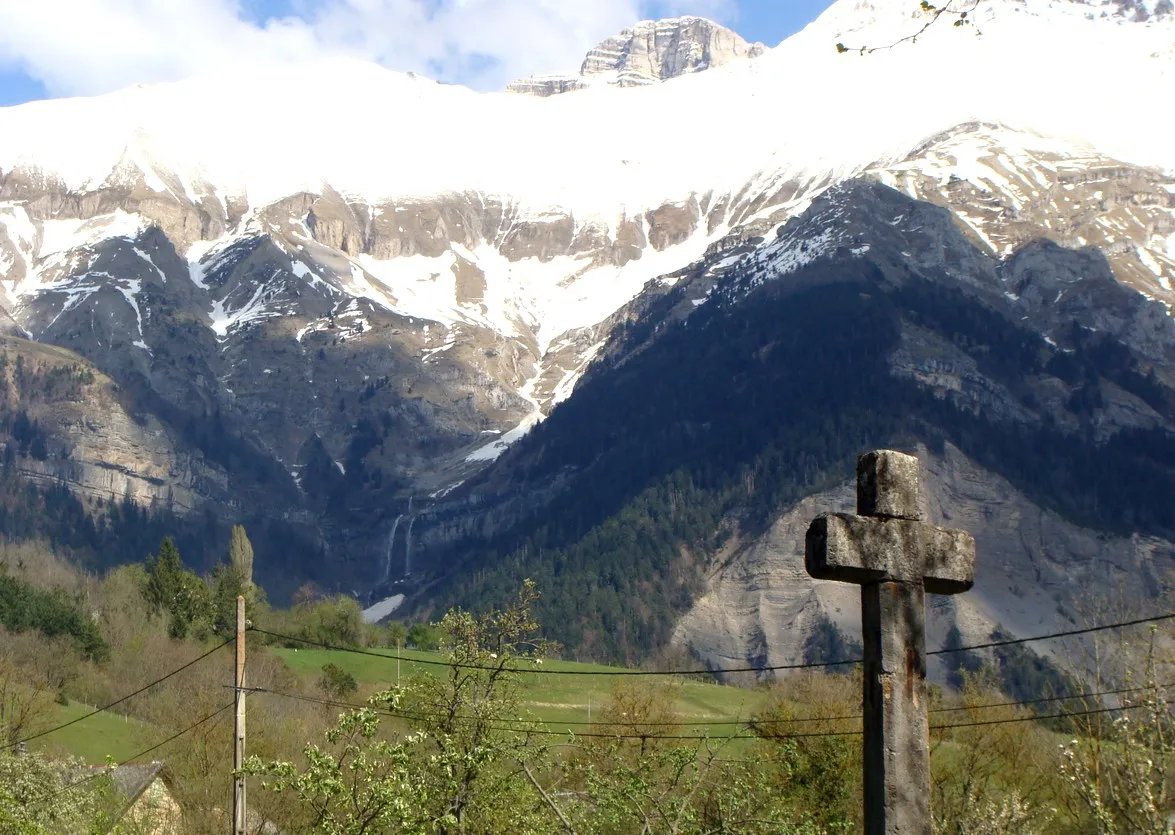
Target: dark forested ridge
<point>724,420</point>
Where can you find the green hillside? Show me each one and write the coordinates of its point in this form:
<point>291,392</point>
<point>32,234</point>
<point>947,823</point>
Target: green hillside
<point>95,737</point>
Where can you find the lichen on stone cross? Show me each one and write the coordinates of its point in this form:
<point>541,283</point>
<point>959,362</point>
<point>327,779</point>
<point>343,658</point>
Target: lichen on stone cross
<point>896,558</point>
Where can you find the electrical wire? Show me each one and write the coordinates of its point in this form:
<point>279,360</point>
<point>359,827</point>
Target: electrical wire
<point>719,671</point>
<point>1037,718</point>
<point>1067,633</point>
<point>1052,699</point>
<point>749,724</point>
<point>99,772</point>
<point>118,701</point>
<point>528,722</point>
<point>540,671</point>
<point>529,730</point>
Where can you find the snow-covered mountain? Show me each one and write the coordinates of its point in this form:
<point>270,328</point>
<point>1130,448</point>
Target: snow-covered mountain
<point>206,158</point>
<point>337,263</point>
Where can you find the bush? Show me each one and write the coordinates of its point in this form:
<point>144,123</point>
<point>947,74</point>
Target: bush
<point>336,681</point>
<point>424,636</point>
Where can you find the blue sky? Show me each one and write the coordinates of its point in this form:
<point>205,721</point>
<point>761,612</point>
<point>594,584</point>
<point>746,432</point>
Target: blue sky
<point>86,47</point>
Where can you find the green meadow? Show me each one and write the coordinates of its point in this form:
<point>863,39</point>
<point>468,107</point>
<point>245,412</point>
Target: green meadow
<point>95,737</point>
<point>549,697</point>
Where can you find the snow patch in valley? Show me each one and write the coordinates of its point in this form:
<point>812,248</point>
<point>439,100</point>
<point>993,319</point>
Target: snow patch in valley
<point>546,298</point>
<point>224,319</point>
<point>381,609</point>
<point>1149,261</point>
<point>303,271</point>
<point>491,451</point>
<point>566,386</point>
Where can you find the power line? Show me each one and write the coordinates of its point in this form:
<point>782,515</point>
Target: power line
<point>749,724</point>
<point>529,722</point>
<point>119,701</point>
<point>1065,634</point>
<point>717,671</point>
<point>1036,718</point>
<point>106,770</point>
<point>540,671</point>
<point>1053,698</point>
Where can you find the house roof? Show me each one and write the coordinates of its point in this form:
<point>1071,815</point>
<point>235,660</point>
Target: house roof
<point>132,779</point>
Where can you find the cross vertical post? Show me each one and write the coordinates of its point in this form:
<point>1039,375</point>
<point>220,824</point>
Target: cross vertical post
<point>896,558</point>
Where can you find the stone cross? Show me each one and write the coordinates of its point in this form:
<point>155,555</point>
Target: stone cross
<point>895,558</point>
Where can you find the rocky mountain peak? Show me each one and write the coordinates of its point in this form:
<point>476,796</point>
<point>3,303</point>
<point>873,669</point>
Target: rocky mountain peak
<point>647,53</point>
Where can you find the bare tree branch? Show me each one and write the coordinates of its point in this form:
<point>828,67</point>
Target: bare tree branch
<point>962,18</point>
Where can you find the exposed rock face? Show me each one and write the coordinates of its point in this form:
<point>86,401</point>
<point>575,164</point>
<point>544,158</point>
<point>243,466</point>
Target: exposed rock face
<point>1021,190</point>
<point>546,85</point>
<point>659,50</point>
<point>1033,570</point>
<point>92,444</point>
<point>648,53</point>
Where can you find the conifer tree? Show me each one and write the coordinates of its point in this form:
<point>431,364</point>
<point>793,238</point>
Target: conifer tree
<point>164,577</point>
<point>240,556</point>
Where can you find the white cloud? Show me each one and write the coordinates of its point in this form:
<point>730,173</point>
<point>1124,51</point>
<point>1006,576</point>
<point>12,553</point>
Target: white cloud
<point>79,47</point>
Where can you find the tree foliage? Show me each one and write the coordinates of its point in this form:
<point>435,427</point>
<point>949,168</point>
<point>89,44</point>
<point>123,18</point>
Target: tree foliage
<point>1123,777</point>
<point>35,800</point>
<point>336,681</point>
<point>23,606</point>
<point>181,593</point>
<point>456,771</point>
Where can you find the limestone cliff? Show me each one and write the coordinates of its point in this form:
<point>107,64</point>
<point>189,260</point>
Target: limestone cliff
<point>650,52</point>
<point>67,423</point>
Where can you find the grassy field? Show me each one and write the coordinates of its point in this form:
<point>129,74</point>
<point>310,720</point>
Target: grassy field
<point>560,701</point>
<point>95,737</point>
<point>551,698</point>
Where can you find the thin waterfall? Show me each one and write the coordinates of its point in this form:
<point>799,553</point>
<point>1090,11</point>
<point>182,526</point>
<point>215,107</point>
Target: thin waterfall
<point>388,555</point>
<point>408,547</point>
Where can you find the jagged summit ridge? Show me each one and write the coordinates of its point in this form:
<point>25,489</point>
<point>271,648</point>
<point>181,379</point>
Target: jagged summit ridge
<point>647,53</point>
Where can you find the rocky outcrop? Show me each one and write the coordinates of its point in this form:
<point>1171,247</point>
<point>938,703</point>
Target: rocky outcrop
<point>91,443</point>
<point>546,85</point>
<point>648,53</point>
<point>657,50</point>
<point>1034,572</point>
<point>1020,189</point>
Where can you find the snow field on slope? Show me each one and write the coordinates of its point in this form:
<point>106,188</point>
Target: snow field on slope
<point>57,245</point>
<point>800,109</point>
<point>548,298</point>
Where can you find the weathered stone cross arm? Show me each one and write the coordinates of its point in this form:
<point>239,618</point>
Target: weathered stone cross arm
<point>886,540</point>
<point>861,550</point>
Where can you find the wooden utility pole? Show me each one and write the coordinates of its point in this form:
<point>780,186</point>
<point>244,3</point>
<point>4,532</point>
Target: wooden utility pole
<point>239,725</point>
